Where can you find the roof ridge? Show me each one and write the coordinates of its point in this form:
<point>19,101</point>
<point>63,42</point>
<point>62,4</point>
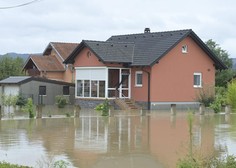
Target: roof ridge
<point>113,42</point>
<point>168,31</point>
<point>58,42</point>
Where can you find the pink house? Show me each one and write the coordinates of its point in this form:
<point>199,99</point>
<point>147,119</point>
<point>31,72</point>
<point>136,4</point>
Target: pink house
<point>153,69</point>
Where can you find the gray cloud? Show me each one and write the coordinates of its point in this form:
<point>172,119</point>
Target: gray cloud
<point>29,29</point>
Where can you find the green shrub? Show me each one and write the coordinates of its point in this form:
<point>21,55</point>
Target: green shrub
<point>8,165</point>
<point>103,108</point>
<point>21,101</point>
<point>29,108</point>
<point>61,101</point>
<point>205,95</point>
<point>231,95</point>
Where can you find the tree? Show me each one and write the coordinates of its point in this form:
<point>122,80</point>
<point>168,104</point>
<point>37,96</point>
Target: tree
<point>10,66</point>
<point>222,76</point>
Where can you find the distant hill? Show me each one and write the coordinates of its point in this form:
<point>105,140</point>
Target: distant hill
<point>14,55</point>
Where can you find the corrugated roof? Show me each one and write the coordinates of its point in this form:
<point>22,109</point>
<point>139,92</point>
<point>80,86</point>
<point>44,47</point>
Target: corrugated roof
<point>14,79</point>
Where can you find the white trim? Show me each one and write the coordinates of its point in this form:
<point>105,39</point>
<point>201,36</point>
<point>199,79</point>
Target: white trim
<point>197,74</point>
<point>136,73</point>
<point>100,67</point>
<point>184,48</point>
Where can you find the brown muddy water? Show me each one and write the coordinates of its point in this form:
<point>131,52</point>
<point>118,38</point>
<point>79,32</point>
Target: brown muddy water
<point>126,140</point>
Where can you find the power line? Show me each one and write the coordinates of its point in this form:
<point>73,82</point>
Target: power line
<point>20,5</point>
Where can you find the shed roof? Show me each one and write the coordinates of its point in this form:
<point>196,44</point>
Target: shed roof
<point>24,79</point>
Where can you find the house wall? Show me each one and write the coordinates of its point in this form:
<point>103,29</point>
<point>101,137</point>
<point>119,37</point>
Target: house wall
<point>8,90</point>
<point>83,60</point>
<point>31,89</point>
<point>172,77</point>
<point>139,94</point>
<point>53,75</point>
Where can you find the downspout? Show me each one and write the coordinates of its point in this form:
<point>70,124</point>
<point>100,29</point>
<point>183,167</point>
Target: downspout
<point>149,89</point>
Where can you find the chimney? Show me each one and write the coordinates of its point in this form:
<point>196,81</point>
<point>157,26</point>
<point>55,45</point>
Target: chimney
<point>147,30</point>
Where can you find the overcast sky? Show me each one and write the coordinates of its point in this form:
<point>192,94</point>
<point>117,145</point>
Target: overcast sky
<point>30,28</point>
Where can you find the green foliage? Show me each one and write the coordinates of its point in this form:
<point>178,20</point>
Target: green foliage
<point>9,100</point>
<point>10,66</point>
<point>21,101</point>
<point>61,164</point>
<point>205,95</point>
<point>29,108</point>
<point>220,99</point>
<point>231,94</point>
<point>8,165</point>
<point>199,162</point>
<point>103,108</point>
<point>61,101</point>
<point>222,76</point>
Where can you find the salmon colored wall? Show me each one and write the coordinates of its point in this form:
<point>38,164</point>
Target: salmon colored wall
<point>54,75</point>
<point>68,75</point>
<point>139,93</point>
<point>172,77</point>
<point>82,60</point>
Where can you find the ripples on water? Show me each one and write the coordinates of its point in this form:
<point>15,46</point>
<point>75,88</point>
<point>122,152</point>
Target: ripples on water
<point>125,140</point>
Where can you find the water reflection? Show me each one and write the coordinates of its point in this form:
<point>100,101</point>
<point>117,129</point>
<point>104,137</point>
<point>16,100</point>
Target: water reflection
<point>154,140</point>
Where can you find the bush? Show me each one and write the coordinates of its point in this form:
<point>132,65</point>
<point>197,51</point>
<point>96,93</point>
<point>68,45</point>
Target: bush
<point>29,107</point>
<point>206,95</point>
<point>21,101</point>
<point>103,108</point>
<point>231,94</point>
<point>8,165</point>
<point>61,101</point>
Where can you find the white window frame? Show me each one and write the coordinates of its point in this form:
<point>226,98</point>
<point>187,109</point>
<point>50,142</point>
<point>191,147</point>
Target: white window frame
<point>200,75</point>
<point>136,78</point>
<point>184,48</point>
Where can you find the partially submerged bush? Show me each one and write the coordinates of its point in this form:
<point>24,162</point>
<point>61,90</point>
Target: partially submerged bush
<point>8,165</point>
<point>61,101</point>
<point>205,95</point>
<point>231,95</point>
<point>103,108</point>
<point>29,108</point>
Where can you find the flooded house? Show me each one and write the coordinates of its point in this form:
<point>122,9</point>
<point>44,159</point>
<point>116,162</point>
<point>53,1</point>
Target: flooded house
<point>147,70</point>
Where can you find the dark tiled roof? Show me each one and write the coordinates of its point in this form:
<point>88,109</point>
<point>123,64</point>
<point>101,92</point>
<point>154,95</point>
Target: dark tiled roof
<point>149,47</point>
<point>112,52</point>
<point>143,49</point>
<point>62,49</point>
<point>47,63</point>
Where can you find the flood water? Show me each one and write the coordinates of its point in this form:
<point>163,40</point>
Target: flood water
<point>126,140</point>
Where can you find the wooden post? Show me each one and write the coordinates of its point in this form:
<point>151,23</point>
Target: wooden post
<point>227,109</point>
<point>173,109</point>
<point>111,111</point>
<point>201,109</point>
<point>77,109</point>
<point>39,112</point>
<point>0,112</point>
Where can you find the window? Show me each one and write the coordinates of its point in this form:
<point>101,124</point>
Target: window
<point>184,49</point>
<point>42,90</point>
<point>197,80</point>
<point>139,78</point>
<point>90,88</point>
<point>66,90</point>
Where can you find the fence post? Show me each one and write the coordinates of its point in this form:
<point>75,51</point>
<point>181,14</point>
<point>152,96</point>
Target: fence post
<point>39,111</point>
<point>77,109</point>
<point>227,109</point>
<point>202,109</point>
<point>0,112</point>
<point>173,109</point>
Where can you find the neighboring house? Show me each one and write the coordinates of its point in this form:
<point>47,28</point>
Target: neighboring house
<point>50,63</point>
<point>41,90</point>
<point>153,69</point>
